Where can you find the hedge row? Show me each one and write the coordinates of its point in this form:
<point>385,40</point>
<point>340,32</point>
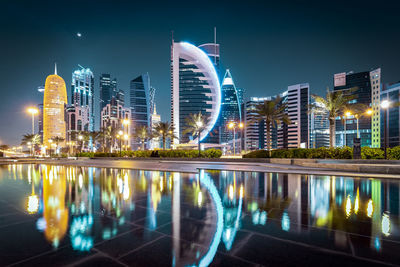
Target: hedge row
<point>326,153</point>
<point>209,153</point>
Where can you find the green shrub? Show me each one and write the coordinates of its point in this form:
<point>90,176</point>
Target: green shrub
<point>394,153</point>
<point>257,154</point>
<point>372,153</point>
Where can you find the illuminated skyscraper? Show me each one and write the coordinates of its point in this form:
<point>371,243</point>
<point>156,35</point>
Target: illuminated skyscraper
<point>82,94</point>
<point>367,88</point>
<point>230,107</point>
<point>54,101</point>
<point>195,88</point>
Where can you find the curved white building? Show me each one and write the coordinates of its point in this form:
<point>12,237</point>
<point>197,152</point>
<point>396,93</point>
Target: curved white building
<point>195,88</point>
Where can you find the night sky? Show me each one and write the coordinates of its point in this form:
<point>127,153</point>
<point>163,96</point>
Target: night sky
<point>267,46</point>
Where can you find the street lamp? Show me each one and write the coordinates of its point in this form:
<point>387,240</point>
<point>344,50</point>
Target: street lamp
<point>199,124</point>
<point>119,136</point>
<point>33,112</point>
<point>233,126</point>
<point>385,105</point>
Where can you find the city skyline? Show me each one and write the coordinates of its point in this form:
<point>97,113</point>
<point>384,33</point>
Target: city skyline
<point>266,48</point>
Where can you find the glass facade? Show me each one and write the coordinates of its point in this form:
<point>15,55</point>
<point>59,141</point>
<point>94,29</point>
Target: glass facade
<point>230,107</point>
<point>195,88</point>
<point>392,94</point>
<point>82,93</point>
<point>367,88</point>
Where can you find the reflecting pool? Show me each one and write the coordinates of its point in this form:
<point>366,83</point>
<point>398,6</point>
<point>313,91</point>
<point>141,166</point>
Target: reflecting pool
<point>60,215</point>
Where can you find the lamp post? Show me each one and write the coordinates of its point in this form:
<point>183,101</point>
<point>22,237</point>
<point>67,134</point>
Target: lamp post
<point>119,136</point>
<point>126,123</point>
<point>80,138</point>
<point>385,105</point>
<point>233,125</point>
<point>51,143</point>
<point>199,124</point>
<point>30,147</point>
<point>33,112</point>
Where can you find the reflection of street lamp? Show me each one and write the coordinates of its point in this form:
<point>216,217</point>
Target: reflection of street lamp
<point>33,202</point>
<point>385,105</point>
<point>33,112</point>
<point>233,126</point>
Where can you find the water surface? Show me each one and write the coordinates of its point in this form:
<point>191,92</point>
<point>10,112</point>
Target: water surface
<point>59,215</point>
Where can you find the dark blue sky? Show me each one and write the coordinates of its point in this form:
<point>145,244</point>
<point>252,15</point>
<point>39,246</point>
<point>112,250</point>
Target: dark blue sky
<point>267,45</point>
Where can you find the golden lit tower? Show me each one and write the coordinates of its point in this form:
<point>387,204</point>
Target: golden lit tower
<point>55,98</point>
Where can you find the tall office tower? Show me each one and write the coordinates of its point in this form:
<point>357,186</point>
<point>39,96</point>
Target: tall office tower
<point>82,94</point>
<point>319,129</point>
<point>112,115</point>
<point>367,87</point>
<point>108,90</point>
<point>255,130</point>
<point>152,94</point>
<point>391,92</point>
<point>54,101</point>
<point>195,88</point>
<point>230,107</point>
<point>140,104</point>
<point>296,134</point>
<point>155,119</point>
<point>40,115</point>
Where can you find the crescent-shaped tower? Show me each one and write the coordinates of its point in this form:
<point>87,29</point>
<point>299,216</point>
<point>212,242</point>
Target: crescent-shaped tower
<point>195,88</point>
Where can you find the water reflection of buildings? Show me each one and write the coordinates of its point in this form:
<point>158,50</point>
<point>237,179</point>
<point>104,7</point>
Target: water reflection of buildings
<point>208,208</point>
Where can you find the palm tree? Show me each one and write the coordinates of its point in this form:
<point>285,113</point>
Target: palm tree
<point>334,105</point>
<point>83,136</point>
<point>164,130</point>
<point>95,136</point>
<point>195,123</point>
<point>4,147</point>
<point>57,140</point>
<point>142,132</point>
<point>33,139</point>
<point>272,112</point>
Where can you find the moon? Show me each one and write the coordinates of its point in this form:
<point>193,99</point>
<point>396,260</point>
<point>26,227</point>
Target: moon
<point>78,34</point>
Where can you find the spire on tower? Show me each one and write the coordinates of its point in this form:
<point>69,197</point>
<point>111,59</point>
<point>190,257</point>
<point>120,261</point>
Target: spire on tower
<point>55,68</point>
<point>155,111</point>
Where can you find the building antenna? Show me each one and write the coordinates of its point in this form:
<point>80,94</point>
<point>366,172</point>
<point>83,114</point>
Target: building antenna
<point>55,68</point>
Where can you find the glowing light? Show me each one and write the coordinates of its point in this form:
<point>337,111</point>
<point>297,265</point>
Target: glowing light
<point>285,222</point>
<point>348,114</point>
<point>348,206</point>
<point>199,124</point>
<point>231,192</point>
<point>369,112</point>
<point>120,132</point>
<point>78,34</point>
<point>385,104</point>
<point>33,111</point>
<point>385,224</point>
<point>241,125</point>
<point>356,202</point>
<point>33,204</point>
<point>370,208</point>
<point>199,198</point>
<point>231,125</point>
<point>241,191</point>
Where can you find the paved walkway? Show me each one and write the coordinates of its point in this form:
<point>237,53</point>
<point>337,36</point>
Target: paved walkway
<point>193,166</point>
